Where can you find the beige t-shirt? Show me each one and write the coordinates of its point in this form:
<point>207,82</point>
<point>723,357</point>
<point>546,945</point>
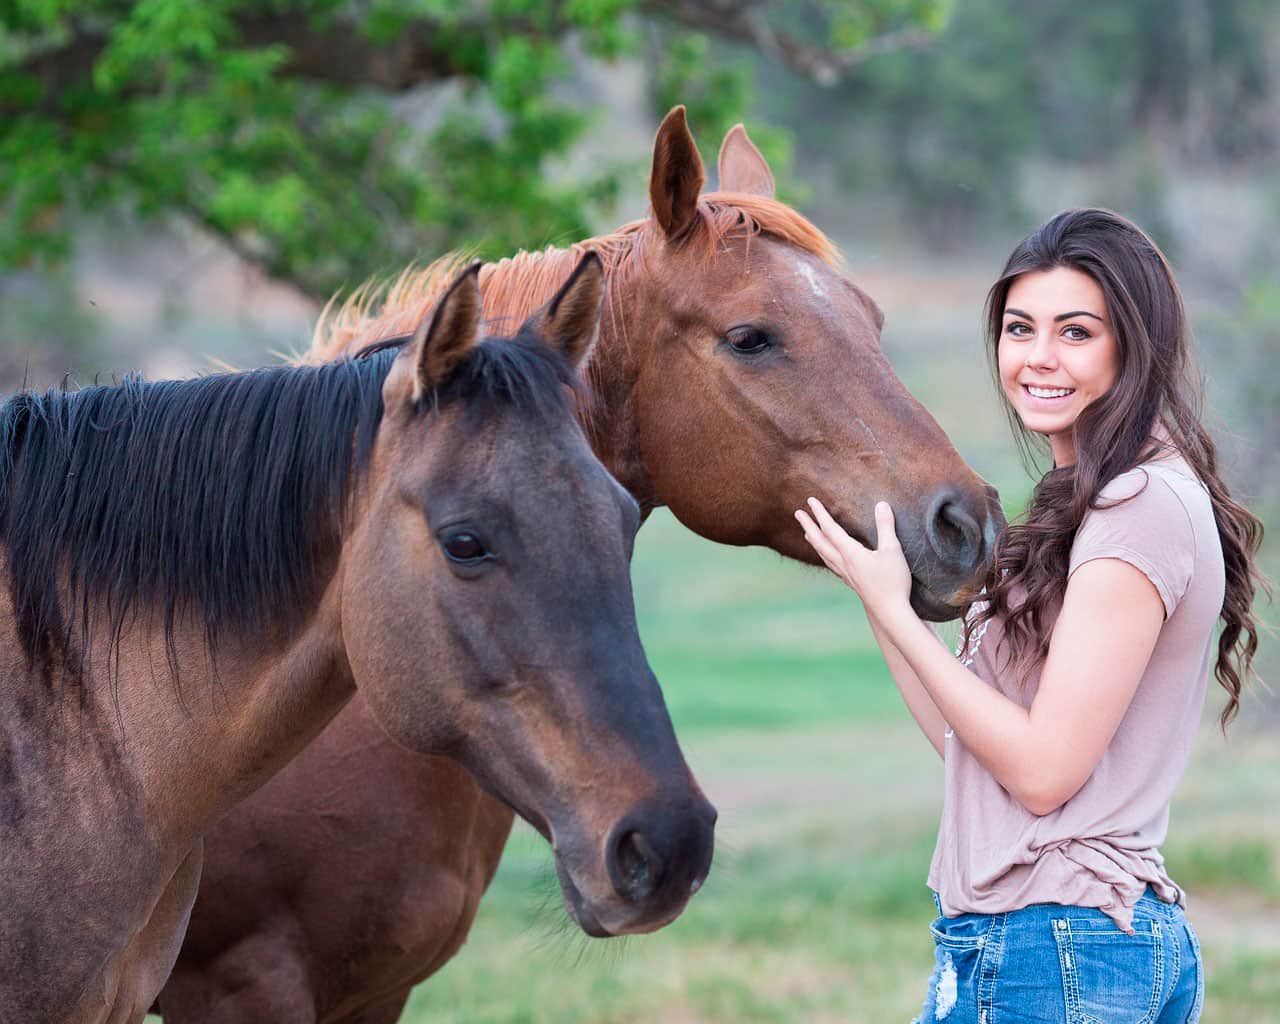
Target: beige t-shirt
<point>1101,848</point>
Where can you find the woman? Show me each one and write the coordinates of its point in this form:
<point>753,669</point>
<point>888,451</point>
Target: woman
<point>1068,719</point>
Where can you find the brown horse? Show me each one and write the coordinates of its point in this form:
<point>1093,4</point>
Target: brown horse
<point>737,372</point>
<point>199,574</point>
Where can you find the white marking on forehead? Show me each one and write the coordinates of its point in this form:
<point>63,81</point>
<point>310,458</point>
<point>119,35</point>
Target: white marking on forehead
<point>806,271</point>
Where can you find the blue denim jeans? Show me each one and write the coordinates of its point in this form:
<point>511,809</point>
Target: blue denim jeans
<point>1051,964</point>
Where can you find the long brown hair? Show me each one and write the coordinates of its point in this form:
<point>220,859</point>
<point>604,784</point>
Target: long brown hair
<point>1155,387</point>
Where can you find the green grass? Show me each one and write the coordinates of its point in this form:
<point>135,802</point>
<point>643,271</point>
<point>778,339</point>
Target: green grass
<point>1244,988</point>
<point>741,639</point>
<point>1244,864</point>
<point>805,915</point>
<point>816,908</point>
<point>772,690</point>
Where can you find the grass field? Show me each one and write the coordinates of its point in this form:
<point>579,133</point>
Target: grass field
<point>816,909</point>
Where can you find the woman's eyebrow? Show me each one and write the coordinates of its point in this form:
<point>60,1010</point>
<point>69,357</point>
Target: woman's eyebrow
<point>1010,311</point>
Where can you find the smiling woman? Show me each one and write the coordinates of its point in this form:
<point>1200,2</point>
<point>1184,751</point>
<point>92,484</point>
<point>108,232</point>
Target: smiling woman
<point>1068,719</point>
<point>1057,352</point>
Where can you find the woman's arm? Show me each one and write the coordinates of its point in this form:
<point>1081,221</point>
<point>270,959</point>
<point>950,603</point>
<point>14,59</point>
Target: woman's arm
<point>1101,642</point>
<point>914,694</point>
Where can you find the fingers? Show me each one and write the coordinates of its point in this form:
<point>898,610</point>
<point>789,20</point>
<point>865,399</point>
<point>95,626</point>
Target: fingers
<point>877,578</point>
<point>820,524</point>
<point>844,545</point>
<point>823,518</point>
<point>819,542</point>
<point>886,534</point>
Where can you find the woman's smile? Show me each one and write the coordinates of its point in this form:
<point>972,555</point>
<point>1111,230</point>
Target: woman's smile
<point>1057,352</point>
<point>1048,394</point>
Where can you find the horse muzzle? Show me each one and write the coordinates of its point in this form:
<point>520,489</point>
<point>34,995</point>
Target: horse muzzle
<point>651,863</point>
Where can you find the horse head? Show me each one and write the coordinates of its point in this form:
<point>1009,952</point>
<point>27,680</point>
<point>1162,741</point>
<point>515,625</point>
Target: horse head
<point>761,381</point>
<point>487,609</point>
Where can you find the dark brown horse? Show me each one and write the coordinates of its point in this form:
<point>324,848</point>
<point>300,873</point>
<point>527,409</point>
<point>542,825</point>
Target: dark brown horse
<point>199,574</point>
<point>738,371</point>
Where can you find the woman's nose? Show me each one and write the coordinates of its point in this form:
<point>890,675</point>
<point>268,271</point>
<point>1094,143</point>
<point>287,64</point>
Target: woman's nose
<point>1042,354</point>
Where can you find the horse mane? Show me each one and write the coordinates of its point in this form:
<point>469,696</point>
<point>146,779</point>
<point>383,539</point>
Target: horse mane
<point>222,498</point>
<point>516,286</point>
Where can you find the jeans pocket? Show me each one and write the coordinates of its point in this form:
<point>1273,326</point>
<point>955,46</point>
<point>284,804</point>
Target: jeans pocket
<point>958,947</point>
<point>968,931</point>
<point>1196,1009</point>
<point>1109,976</point>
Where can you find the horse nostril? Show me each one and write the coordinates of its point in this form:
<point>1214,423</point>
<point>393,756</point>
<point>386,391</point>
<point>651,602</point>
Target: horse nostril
<point>954,534</point>
<point>636,866</point>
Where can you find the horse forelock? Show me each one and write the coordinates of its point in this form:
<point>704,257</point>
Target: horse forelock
<point>736,214</point>
<point>517,285</point>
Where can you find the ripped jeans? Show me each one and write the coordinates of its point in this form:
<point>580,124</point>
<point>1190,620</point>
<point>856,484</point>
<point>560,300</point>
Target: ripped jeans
<point>1052,964</point>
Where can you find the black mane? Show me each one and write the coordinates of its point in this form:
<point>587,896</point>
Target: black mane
<point>223,496</point>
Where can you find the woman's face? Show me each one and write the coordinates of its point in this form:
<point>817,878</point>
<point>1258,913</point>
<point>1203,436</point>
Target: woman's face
<point>1057,352</point>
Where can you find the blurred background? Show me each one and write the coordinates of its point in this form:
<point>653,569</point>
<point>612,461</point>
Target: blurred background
<point>182,187</point>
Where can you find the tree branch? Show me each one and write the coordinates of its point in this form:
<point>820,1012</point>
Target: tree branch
<point>270,264</point>
<point>429,51</point>
<point>746,23</point>
<point>340,53</point>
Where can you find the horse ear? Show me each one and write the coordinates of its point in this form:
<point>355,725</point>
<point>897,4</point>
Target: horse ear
<point>742,167</point>
<point>677,176</point>
<point>568,322</point>
<point>444,338</point>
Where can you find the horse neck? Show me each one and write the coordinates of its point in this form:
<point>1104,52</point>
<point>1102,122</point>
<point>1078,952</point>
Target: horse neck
<point>514,288</point>
<point>169,754</point>
<point>134,689</point>
<point>229,728</point>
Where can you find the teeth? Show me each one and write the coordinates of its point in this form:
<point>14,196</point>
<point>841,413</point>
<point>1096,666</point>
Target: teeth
<point>1049,392</point>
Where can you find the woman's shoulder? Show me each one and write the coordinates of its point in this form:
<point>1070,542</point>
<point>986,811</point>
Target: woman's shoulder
<point>1165,488</point>
<point>1158,517</point>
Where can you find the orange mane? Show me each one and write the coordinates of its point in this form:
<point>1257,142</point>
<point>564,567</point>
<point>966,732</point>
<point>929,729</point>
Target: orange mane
<point>514,287</point>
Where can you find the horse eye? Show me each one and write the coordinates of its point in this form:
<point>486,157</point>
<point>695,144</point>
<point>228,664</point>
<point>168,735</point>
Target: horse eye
<point>748,341</point>
<point>464,548</point>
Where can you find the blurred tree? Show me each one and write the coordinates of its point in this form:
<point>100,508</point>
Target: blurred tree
<point>949,131</point>
<point>268,123</point>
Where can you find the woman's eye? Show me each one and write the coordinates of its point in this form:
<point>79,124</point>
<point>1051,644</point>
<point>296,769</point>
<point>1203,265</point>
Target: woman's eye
<point>464,548</point>
<point>1076,334</point>
<point>748,341</point>
<point>1018,330</point>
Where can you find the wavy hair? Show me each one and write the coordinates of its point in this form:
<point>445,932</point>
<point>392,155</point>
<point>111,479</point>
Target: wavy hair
<point>1155,388</point>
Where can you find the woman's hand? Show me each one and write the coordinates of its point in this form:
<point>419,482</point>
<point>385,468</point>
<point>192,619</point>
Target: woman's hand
<point>880,576</point>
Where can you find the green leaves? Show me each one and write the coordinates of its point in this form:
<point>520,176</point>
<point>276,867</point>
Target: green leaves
<point>266,121</point>
<point>162,43</point>
<point>200,109</point>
